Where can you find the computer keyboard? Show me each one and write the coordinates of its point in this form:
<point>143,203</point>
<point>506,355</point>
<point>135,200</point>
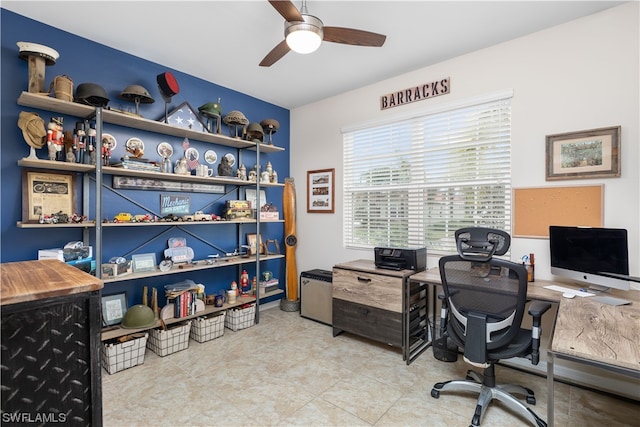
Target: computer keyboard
<point>575,292</point>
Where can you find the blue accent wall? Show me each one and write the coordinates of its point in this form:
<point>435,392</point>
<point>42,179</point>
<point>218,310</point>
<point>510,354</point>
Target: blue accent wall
<point>85,61</point>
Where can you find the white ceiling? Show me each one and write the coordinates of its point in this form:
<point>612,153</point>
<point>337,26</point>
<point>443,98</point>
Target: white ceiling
<point>223,41</point>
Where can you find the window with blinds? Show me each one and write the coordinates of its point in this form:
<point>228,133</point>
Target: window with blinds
<point>415,181</point>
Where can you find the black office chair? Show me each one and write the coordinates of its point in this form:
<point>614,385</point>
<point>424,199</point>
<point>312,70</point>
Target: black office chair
<point>484,303</point>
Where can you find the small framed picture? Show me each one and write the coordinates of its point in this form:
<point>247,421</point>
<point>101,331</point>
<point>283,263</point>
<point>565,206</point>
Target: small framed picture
<point>320,191</point>
<point>143,262</point>
<point>253,240</point>
<point>113,308</point>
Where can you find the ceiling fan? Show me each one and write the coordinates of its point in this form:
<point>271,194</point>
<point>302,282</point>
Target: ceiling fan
<point>304,33</point>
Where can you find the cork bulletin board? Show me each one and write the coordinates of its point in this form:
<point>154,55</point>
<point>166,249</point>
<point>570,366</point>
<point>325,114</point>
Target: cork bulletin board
<point>535,209</point>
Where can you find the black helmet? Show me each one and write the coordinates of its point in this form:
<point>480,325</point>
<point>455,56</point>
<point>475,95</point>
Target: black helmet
<point>91,94</point>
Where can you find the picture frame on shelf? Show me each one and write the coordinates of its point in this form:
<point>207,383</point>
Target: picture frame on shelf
<point>127,182</point>
<point>143,262</point>
<point>321,191</point>
<point>256,199</point>
<point>593,153</point>
<point>47,193</point>
<point>253,240</point>
<point>114,308</point>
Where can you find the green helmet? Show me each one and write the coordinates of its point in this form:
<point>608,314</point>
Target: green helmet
<point>138,316</point>
<point>255,132</point>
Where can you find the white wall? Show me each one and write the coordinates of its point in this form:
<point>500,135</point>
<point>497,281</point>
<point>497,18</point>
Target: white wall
<point>576,76</point>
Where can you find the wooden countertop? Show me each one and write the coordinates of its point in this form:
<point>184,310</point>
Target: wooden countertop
<point>535,290</point>
<point>35,280</point>
<point>594,331</point>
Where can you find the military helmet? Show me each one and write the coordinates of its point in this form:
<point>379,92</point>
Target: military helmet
<point>91,94</point>
<point>138,316</point>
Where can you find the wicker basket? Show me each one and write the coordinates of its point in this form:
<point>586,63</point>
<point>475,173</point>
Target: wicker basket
<point>207,328</point>
<point>120,356</point>
<point>240,318</point>
<point>172,340</point>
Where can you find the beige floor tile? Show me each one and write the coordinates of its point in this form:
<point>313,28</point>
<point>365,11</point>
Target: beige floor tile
<point>291,371</point>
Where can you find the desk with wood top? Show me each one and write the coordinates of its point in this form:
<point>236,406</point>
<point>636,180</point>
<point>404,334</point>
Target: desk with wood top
<point>584,330</point>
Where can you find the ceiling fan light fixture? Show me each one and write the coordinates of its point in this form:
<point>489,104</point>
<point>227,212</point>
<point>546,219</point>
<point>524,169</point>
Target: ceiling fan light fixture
<point>304,37</point>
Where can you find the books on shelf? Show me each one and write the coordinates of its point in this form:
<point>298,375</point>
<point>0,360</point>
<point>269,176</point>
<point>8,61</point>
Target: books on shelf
<point>269,285</point>
<point>184,304</point>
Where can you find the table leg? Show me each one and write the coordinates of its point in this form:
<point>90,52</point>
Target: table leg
<point>550,395</point>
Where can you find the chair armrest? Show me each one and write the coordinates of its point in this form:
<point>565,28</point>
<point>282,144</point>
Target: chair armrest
<point>536,310</point>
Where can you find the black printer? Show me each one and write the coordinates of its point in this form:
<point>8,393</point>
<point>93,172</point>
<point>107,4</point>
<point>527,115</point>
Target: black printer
<point>401,258</point>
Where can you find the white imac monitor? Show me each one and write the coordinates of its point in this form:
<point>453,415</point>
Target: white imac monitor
<point>596,256</point>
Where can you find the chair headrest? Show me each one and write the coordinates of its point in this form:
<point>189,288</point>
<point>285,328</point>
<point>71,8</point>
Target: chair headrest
<point>480,243</point>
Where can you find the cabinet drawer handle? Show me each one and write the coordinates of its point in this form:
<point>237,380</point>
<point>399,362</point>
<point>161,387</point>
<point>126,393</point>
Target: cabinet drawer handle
<point>364,279</point>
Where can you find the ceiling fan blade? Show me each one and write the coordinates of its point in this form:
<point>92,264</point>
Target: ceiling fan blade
<point>276,53</point>
<point>287,9</point>
<point>353,37</point>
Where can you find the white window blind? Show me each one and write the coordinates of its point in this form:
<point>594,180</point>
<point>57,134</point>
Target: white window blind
<point>415,181</point>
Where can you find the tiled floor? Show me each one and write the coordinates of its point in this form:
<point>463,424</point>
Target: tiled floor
<point>288,370</point>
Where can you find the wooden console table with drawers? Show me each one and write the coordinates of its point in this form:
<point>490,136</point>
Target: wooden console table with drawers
<point>381,305</point>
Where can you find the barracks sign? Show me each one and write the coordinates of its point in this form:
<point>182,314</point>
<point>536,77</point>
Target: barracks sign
<point>416,93</point>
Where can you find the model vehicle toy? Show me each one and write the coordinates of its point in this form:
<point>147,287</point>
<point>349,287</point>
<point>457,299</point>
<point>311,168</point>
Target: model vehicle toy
<point>198,216</point>
<point>170,218</point>
<point>75,250</point>
<point>237,204</point>
<point>234,213</point>
<point>61,216</point>
<point>55,218</point>
<point>77,218</point>
<point>122,217</point>
<point>47,219</point>
<point>142,218</point>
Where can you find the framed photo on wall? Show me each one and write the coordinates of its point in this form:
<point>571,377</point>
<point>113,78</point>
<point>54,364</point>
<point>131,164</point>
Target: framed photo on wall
<point>586,154</point>
<point>320,191</point>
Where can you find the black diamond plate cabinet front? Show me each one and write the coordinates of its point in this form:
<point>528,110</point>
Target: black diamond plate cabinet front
<point>50,361</point>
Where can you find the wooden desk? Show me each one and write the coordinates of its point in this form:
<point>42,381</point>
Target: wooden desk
<point>596,334</point>
<point>584,331</point>
<point>535,290</point>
